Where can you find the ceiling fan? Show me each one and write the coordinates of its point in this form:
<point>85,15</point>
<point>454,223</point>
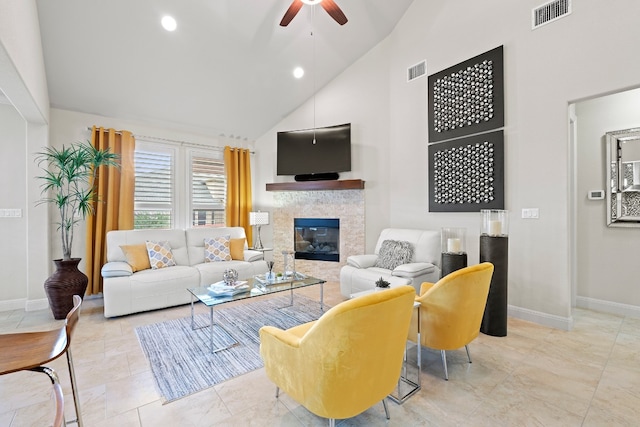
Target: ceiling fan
<point>329,5</point>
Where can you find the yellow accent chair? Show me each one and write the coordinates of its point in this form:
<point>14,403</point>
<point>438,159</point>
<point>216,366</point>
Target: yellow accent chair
<point>343,363</point>
<point>451,310</point>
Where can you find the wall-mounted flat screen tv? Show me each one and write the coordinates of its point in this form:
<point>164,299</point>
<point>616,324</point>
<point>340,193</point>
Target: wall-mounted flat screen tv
<point>299,154</point>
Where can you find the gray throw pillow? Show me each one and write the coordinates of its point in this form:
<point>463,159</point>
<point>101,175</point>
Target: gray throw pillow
<point>394,253</point>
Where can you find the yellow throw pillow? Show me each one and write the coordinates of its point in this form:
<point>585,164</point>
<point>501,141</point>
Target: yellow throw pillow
<point>137,256</point>
<point>237,249</point>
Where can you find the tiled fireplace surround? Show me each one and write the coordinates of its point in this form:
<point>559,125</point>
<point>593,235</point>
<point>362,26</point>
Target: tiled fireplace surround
<point>346,205</point>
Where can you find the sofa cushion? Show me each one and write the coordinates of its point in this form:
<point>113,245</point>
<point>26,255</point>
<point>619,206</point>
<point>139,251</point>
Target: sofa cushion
<point>413,269</point>
<point>216,249</point>
<point>116,269</point>
<point>236,247</point>
<point>160,255</point>
<point>137,256</point>
<point>394,253</point>
<point>362,261</point>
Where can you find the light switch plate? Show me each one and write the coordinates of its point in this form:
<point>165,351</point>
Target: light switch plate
<point>530,213</point>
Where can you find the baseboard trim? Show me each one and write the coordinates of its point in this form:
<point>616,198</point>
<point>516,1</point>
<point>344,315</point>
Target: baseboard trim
<point>545,319</point>
<point>13,304</point>
<point>24,304</point>
<point>37,304</point>
<point>608,306</point>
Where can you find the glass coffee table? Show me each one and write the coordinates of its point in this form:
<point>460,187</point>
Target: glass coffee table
<point>257,286</point>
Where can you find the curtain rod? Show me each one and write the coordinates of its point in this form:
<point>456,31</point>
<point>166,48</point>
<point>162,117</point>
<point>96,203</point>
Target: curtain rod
<point>175,141</point>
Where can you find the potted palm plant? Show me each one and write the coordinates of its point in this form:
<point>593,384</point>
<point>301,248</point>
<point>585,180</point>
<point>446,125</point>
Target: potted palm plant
<point>68,185</point>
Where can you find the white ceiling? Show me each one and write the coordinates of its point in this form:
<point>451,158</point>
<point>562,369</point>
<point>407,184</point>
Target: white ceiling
<point>226,70</point>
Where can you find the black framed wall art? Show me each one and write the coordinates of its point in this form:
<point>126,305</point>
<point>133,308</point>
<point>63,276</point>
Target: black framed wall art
<point>467,98</point>
<point>467,174</point>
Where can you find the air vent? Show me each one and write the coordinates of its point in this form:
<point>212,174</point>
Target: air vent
<point>416,71</point>
<point>550,12</point>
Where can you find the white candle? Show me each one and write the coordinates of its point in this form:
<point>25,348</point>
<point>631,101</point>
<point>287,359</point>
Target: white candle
<point>453,245</point>
<point>495,228</point>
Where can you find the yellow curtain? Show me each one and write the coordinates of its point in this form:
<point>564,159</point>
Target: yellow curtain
<point>237,163</point>
<point>113,207</point>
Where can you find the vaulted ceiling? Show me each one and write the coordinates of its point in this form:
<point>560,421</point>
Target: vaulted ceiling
<point>226,70</point>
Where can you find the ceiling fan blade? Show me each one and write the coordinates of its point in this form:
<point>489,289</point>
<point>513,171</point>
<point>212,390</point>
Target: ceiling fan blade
<point>334,11</point>
<point>291,12</point>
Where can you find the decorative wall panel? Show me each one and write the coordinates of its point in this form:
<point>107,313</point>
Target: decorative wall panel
<point>467,174</point>
<point>467,98</point>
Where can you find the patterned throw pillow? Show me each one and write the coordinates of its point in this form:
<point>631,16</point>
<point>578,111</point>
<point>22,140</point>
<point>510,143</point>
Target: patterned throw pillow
<point>217,249</point>
<point>394,253</point>
<point>160,255</point>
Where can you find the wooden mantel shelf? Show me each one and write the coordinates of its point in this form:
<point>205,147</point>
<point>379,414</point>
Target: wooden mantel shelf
<point>345,184</point>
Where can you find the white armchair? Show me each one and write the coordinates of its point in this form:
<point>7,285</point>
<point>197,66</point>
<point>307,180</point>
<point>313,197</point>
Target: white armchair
<point>362,271</point>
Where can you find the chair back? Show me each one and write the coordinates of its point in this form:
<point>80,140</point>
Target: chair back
<point>72,320</point>
<point>354,352</point>
<point>451,311</point>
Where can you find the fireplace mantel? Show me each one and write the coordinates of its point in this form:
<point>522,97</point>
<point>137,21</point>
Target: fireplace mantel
<point>345,184</point>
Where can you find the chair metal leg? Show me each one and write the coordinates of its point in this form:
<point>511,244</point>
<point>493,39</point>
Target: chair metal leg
<point>466,347</point>
<point>332,422</point>
<point>277,392</point>
<point>74,388</point>
<point>58,420</point>
<point>57,389</point>
<point>386,409</point>
<point>444,363</point>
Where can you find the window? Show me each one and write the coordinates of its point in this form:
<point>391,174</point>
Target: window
<point>163,171</point>
<point>208,191</point>
<point>153,200</point>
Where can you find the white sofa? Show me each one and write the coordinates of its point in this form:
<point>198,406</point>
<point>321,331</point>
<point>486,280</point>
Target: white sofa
<point>126,292</point>
<point>360,273</point>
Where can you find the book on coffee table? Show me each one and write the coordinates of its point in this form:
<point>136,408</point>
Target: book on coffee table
<point>222,289</point>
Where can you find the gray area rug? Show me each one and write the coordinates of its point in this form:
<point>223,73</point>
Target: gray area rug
<point>180,357</point>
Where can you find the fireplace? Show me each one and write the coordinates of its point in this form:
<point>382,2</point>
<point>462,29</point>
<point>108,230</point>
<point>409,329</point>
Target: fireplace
<point>317,239</point>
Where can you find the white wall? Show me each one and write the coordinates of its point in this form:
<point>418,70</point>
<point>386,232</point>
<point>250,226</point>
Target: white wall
<point>23,80</point>
<point>545,70</point>
<point>607,257</point>
<point>13,251</point>
<point>22,76</point>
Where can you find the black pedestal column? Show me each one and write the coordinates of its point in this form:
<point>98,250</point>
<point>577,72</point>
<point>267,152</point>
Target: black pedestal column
<point>451,262</point>
<point>494,249</point>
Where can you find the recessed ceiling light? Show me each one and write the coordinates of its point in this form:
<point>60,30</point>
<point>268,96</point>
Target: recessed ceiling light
<point>169,23</point>
<point>298,72</point>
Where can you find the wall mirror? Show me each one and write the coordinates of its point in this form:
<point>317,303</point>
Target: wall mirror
<point>623,178</point>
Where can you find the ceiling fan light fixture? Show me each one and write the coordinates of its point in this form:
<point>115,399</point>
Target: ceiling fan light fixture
<point>311,2</point>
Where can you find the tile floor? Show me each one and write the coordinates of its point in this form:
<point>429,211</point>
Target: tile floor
<point>535,376</point>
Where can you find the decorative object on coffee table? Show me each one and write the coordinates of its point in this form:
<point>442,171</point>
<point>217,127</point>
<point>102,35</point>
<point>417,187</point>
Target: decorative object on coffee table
<point>289,263</point>
<point>381,283</point>
<point>230,276</point>
<point>258,219</point>
<point>494,248</point>
<point>270,274</point>
<point>454,249</point>
<point>68,185</point>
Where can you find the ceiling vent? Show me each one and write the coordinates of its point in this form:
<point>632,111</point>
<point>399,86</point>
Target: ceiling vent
<point>417,71</point>
<point>550,12</point>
